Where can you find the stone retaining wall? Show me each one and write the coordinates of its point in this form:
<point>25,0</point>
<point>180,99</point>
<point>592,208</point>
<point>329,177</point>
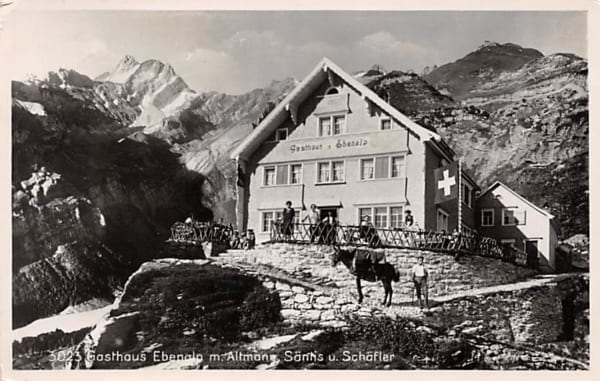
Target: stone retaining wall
<point>524,315</point>
<point>308,305</point>
<point>447,274</point>
<point>529,315</point>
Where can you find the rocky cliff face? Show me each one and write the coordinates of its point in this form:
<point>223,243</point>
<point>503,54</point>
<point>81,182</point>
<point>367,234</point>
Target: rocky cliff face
<point>511,114</point>
<point>91,198</point>
<point>234,117</point>
<point>99,175</point>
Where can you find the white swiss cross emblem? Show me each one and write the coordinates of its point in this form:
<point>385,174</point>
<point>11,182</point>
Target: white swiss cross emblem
<point>447,182</point>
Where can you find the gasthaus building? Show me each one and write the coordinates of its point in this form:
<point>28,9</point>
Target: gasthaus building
<point>335,143</point>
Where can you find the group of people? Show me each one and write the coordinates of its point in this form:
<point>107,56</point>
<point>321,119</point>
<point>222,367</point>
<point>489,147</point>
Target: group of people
<point>245,240</point>
<point>321,230</point>
<point>208,231</point>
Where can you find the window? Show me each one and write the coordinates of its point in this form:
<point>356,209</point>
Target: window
<point>487,217</point>
<point>467,195</point>
<point>513,216</point>
<point>362,212</point>
<point>381,217</point>
<point>330,172</point>
<point>267,220</point>
<point>506,243</point>
<point>272,216</point>
<point>332,125</point>
<point>282,174</point>
<point>338,171</point>
<point>269,176</point>
<point>509,217</point>
<point>338,124</point>
<point>398,166</point>
<point>323,172</point>
<point>281,134</point>
<point>325,126</point>
<point>382,167</point>
<point>367,169</point>
<point>385,124</point>
<point>396,217</point>
<point>442,221</point>
<point>295,174</point>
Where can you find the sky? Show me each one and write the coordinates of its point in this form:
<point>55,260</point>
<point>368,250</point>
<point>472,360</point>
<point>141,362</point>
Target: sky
<point>237,51</point>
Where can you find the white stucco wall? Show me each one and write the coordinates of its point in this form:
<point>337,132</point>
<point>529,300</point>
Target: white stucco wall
<point>363,130</point>
<point>536,226</point>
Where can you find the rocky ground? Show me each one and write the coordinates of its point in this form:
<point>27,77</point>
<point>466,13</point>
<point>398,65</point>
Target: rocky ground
<point>286,317</point>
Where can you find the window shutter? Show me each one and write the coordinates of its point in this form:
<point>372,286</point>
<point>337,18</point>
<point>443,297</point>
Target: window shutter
<point>282,174</point>
<point>381,167</point>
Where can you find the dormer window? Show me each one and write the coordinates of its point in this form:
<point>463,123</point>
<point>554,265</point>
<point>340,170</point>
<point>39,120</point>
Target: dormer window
<point>281,134</point>
<point>332,91</point>
<point>385,124</point>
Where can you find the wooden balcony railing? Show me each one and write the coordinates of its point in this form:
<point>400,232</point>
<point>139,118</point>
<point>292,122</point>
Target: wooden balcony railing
<point>402,238</point>
<point>326,234</point>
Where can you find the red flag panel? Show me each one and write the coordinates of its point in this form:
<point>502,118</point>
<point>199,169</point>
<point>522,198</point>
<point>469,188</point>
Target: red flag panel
<point>446,183</point>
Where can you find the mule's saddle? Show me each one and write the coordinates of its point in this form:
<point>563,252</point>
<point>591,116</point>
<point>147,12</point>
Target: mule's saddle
<point>367,258</point>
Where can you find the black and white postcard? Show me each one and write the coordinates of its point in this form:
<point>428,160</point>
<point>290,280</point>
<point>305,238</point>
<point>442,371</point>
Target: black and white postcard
<point>217,187</point>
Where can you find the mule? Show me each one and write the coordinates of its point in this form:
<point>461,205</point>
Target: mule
<point>365,269</point>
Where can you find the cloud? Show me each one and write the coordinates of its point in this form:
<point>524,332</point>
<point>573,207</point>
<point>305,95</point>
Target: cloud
<point>207,69</point>
<point>384,48</point>
<point>246,40</point>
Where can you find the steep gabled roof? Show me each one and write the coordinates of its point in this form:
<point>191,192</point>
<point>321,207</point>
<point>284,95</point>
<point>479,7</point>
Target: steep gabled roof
<point>499,183</point>
<point>304,89</point>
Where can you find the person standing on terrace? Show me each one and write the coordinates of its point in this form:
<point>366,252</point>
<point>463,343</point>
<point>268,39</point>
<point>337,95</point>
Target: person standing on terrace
<point>288,221</point>
<point>313,217</point>
<point>409,220</point>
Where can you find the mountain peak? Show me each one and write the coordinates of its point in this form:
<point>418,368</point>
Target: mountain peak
<point>507,48</point>
<point>68,77</point>
<point>481,65</point>
<point>488,44</point>
<point>127,60</point>
<point>121,73</point>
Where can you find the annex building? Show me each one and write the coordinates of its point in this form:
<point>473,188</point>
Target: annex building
<point>333,142</point>
<point>513,220</point>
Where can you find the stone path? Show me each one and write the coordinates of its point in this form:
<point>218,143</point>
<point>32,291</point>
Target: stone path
<point>539,280</point>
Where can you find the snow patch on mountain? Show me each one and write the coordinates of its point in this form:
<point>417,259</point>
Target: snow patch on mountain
<point>33,108</point>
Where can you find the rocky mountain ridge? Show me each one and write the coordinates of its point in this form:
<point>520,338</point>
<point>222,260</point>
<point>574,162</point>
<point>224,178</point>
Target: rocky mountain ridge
<point>520,117</point>
<point>458,78</point>
<point>88,182</point>
<point>141,149</point>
